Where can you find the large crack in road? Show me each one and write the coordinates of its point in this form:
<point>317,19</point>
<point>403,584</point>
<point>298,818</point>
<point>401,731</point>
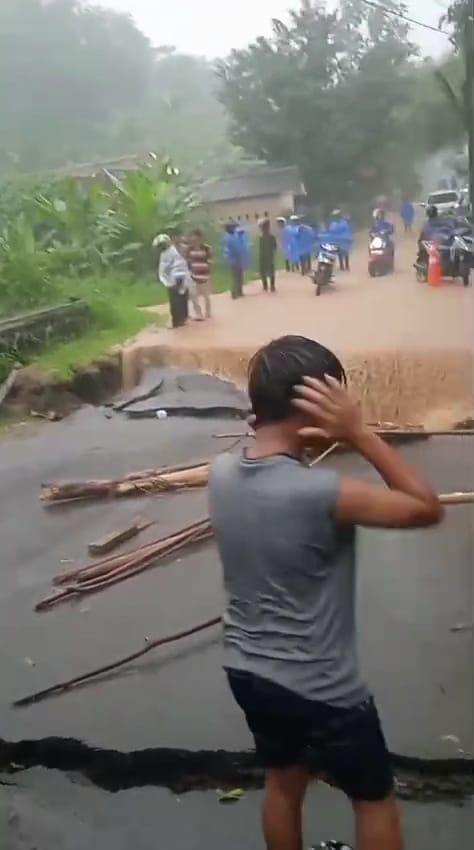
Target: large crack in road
<point>182,770</point>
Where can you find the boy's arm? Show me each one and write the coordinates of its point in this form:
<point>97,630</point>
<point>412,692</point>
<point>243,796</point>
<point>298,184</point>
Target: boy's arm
<point>409,503</point>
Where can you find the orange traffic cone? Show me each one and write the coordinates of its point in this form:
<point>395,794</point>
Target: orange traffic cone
<point>435,275</point>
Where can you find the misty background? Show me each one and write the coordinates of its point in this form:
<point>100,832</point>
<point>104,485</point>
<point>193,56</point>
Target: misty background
<point>357,110</point>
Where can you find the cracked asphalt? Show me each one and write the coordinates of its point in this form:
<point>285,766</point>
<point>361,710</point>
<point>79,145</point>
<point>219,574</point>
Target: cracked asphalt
<point>414,591</point>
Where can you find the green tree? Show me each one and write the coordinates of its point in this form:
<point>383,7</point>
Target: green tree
<point>80,83</point>
<point>457,16</point>
<point>66,71</point>
<point>182,115</point>
<point>325,92</point>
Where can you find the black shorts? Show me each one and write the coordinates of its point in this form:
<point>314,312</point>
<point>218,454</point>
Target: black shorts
<point>345,746</point>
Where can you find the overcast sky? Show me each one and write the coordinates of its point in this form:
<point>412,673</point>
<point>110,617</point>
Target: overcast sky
<point>213,27</point>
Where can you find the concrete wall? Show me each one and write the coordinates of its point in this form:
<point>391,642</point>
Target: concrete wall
<point>248,211</point>
<point>31,331</point>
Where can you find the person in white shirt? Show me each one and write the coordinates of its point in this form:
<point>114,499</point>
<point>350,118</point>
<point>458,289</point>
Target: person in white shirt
<point>174,274</point>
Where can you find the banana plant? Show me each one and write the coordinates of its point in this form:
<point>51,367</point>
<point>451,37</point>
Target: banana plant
<point>142,204</point>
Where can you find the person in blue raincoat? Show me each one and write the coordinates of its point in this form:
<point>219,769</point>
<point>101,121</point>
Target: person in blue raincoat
<point>381,226</point>
<point>284,240</point>
<point>294,248</point>
<point>340,232</point>
<point>305,245</point>
<point>407,215</point>
<point>236,253</point>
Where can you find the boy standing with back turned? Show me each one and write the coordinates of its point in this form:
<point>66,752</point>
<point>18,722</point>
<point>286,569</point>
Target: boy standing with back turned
<point>286,538</point>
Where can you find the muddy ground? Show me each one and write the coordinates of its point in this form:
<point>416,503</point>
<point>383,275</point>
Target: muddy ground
<point>415,590</point>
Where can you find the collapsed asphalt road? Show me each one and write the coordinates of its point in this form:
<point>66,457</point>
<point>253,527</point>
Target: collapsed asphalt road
<point>415,593</point>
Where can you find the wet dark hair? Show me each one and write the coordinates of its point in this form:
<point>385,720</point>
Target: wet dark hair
<point>197,233</point>
<point>277,367</point>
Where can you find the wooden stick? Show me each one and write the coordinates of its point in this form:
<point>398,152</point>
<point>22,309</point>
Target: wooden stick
<point>395,430</point>
<point>101,574</point>
<point>67,685</point>
<point>117,538</point>
<point>325,454</point>
<point>456,498</point>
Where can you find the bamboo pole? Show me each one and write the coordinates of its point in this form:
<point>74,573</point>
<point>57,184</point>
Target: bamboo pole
<point>382,432</point>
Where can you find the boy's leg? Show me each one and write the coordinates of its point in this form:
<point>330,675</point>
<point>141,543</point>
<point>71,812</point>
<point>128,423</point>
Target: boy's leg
<point>357,762</point>
<point>378,825</point>
<point>264,277</point>
<point>282,807</point>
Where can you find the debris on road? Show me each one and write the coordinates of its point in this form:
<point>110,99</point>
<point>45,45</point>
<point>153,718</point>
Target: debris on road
<point>136,483</point>
<point>117,538</point>
<point>108,571</point>
<point>68,685</point>
<point>232,796</point>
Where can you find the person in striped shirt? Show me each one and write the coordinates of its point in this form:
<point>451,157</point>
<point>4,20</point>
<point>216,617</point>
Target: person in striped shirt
<point>199,260</point>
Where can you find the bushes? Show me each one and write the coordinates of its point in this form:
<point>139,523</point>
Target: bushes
<point>71,230</point>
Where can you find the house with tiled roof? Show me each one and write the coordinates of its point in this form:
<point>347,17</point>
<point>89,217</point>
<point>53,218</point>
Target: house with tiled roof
<point>252,195</point>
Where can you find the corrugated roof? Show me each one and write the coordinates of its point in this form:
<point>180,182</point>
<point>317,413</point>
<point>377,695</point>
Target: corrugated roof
<point>256,183</point>
<point>120,163</point>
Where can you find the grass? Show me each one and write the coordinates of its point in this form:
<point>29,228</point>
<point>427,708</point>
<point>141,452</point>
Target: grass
<point>116,303</point>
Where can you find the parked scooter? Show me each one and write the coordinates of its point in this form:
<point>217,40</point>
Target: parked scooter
<point>381,255</point>
<point>322,276</point>
<point>456,253</point>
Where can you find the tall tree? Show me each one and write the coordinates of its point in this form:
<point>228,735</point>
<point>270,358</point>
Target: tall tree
<point>79,83</point>
<point>458,16</point>
<point>325,92</point>
<point>66,70</point>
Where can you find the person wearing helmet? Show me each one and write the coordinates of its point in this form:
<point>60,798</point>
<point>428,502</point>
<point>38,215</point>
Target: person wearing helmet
<point>236,253</point>
<point>306,243</point>
<point>173,273</point>
<point>437,228</point>
<point>294,246</point>
<point>384,228</point>
<point>284,240</point>
<point>381,226</point>
<point>436,225</point>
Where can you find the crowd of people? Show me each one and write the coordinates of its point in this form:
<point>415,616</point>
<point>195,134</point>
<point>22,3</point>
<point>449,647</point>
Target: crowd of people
<point>185,260</point>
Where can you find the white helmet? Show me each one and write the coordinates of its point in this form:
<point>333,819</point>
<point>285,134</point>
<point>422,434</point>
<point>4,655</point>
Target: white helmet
<point>161,240</point>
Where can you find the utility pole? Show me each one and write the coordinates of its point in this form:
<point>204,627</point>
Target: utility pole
<point>469,93</point>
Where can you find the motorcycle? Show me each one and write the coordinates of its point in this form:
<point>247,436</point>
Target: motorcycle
<point>456,253</point>
<point>381,258</point>
<point>323,274</point>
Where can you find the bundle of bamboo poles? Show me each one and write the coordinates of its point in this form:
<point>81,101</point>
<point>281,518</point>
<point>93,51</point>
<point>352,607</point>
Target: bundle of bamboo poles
<point>136,483</point>
<point>100,574</point>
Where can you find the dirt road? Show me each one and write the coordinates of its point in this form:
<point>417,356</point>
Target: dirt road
<point>408,346</point>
